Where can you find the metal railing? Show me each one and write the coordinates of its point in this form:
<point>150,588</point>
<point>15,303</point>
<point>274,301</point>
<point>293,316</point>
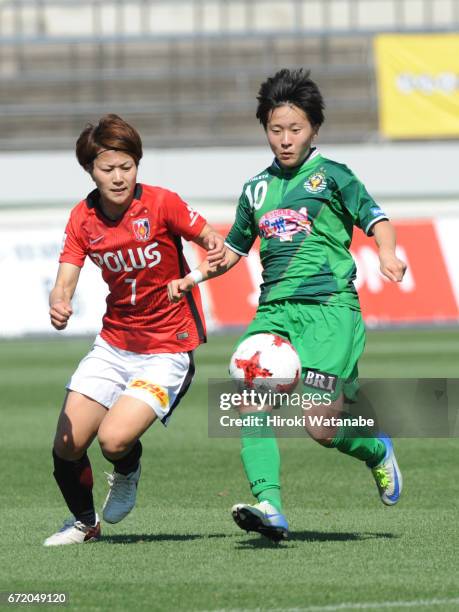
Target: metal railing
<point>106,20</point>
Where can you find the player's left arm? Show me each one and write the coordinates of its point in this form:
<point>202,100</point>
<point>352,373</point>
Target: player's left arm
<point>390,265</point>
<point>370,218</point>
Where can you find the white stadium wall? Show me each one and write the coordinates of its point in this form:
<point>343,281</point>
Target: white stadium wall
<point>390,171</point>
<point>416,185</point>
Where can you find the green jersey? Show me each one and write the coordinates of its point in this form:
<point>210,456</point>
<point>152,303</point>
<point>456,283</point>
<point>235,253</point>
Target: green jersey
<point>305,218</point>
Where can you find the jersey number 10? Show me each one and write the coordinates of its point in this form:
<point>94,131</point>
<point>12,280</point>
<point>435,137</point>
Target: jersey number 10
<point>258,196</point>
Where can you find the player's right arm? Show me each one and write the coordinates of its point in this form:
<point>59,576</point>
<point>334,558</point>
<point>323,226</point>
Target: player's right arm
<point>178,287</point>
<point>239,241</point>
<point>60,297</point>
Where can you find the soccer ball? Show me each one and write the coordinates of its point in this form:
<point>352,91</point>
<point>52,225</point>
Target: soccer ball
<point>265,362</point>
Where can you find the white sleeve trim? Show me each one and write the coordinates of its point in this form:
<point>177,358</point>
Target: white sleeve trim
<point>373,221</point>
<point>235,250</point>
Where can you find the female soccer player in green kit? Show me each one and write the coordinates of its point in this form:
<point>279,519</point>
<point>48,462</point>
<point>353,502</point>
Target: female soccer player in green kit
<point>303,207</point>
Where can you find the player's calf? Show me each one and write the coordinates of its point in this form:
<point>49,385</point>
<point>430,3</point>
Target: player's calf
<point>75,481</point>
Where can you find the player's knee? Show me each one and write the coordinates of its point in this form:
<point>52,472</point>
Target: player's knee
<point>113,444</point>
<point>67,448</point>
<point>321,437</point>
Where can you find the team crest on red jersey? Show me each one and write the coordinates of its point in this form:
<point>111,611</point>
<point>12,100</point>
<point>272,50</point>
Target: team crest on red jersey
<point>141,229</point>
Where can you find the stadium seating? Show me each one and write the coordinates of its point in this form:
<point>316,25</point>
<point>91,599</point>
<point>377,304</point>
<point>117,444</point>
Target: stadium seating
<point>186,72</point>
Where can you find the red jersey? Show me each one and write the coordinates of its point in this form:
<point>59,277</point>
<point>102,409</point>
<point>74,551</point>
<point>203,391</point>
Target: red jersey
<point>138,255</point>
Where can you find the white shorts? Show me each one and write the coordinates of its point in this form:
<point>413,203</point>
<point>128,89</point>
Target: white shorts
<point>158,379</point>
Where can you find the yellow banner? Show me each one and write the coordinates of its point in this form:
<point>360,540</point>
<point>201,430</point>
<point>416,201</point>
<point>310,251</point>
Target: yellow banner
<point>418,82</point>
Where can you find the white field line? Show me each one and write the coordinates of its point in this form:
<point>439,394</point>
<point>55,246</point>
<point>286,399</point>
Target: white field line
<point>382,605</point>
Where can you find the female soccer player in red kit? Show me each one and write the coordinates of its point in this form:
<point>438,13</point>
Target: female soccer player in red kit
<point>141,363</point>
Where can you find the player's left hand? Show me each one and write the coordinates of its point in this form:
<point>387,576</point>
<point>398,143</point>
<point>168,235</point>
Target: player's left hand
<point>177,288</point>
<point>216,250</point>
<point>391,266</point>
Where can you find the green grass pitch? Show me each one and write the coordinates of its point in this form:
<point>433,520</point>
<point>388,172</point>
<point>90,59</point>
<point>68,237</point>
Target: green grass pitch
<point>180,550</point>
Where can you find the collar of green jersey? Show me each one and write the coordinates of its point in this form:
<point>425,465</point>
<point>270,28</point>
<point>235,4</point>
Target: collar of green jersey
<point>311,160</point>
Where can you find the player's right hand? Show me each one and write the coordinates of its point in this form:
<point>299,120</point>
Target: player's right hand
<point>216,249</point>
<point>60,312</point>
<point>177,288</point>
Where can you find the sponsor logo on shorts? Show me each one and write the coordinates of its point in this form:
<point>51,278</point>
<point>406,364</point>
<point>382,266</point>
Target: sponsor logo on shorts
<point>156,390</point>
<point>315,183</point>
<point>141,229</point>
<point>284,223</point>
<point>182,335</point>
<point>320,380</point>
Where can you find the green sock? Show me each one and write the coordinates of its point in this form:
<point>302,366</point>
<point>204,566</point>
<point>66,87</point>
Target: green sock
<point>359,443</point>
<point>273,496</point>
<point>261,461</point>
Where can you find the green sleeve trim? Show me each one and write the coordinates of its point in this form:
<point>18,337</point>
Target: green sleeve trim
<point>370,225</point>
<point>233,248</point>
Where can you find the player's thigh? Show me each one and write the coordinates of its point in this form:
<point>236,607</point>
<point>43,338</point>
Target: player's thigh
<point>102,374</point>
<point>327,337</point>
<point>78,423</point>
<point>154,390</point>
<point>329,341</point>
<point>94,386</point>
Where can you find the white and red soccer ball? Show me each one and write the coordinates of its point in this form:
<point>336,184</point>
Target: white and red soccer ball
<point>266,362</point>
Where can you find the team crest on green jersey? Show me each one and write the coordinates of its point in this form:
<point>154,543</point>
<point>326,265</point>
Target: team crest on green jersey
<point>316,182</point>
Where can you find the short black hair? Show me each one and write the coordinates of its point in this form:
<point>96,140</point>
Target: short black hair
<point>290,87</point>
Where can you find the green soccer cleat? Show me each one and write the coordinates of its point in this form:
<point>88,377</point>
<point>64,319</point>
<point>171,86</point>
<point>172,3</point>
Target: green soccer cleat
<point>263,518</point>
<point>387,475</point>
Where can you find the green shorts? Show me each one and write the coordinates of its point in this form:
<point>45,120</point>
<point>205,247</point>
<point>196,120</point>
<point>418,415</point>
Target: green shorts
<point>329,340</point>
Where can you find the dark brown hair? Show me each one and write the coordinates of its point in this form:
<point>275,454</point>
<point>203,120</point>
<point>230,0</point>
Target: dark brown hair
<point>112,133</point>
